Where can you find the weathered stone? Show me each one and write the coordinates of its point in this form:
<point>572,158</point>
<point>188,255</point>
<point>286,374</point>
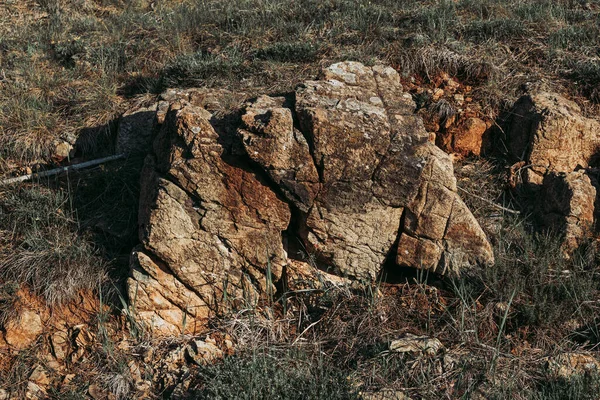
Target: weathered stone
<point>363,134</point>
<point>272,141</point>
<point>439,231</point>
<point>566,365</point>
<point>467,137</point>
<point>60,344</point>
<point>214,226</point>
<point>97,393</point>
<point>39,376</point>
<point>23,330</point>
<point>62,150</point>
<point>337,167</point>
<point>203,353</point>
<point>550,134</point>
<point>416,344</point>
<point>35,392</point>
<point>162,300</point>
<point>566,206</point>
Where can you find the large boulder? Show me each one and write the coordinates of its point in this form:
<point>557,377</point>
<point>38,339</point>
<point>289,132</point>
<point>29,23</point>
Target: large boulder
<point>342,166</point>
<point>209,225</point>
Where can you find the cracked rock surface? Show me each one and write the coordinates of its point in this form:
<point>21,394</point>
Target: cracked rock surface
<point>342,168</point>
<point>558,148</point>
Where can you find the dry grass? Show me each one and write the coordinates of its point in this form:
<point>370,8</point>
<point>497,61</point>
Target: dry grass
<point>67,65</point>
<point>41,246</point>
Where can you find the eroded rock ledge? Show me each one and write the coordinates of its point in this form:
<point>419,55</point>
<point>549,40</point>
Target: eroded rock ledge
<point>342,169</point>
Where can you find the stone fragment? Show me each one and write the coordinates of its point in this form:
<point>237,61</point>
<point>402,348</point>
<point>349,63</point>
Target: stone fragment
<point>35,392</point>
<point>416,344</point>
<point>39,376</point>
<point>60,344</point>
<point>566,365</point>
<point>203,353</point>
<point>23,330</point>
<point>271,140</point>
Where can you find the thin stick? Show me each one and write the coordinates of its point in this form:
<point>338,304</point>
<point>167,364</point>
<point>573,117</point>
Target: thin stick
<point>57,171</point>
<point>489,202</point>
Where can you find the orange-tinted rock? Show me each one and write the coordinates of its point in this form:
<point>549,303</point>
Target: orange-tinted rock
<point>467,138</point>
<point>23,330</point>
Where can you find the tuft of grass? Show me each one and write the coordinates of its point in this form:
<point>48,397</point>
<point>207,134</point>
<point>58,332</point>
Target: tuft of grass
<point>269,374</point>
<point>288,52</point>
<point>41,246</point>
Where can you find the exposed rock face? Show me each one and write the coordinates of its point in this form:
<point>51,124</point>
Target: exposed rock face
<point>567,206</point>
<point>212,226</point>
<point>344,166</point>
<point>549,133</point>
<point>271,140</point>
<point>439,231</point>
<point>553,140</point>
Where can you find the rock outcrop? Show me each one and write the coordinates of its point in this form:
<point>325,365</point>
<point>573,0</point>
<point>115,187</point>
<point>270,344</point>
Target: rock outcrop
<point>548,132</point>
<point>342,168</point>
<point>557,148</point>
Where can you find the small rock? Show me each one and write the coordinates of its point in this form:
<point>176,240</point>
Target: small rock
<point>459,99</point>
<point>416,344</point>
<point>566,206</point>
<point>35,392</point>
<point>39,376</point>
<point>203,353</point>
<point>451,84</point>
<point>96,392</point>
<point>437,94</point>
<point>68,379</point>
<point>22,331</point>
<point>3,394</point>
<point>568,364</point>
<point>59,342</point>
<point>468,136</point>
<point>63,150</point>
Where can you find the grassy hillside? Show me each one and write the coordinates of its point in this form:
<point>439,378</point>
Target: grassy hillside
<point>68,67</point>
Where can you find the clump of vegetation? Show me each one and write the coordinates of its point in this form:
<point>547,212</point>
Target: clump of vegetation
<point>271,374</point>
<point>41,246</point>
